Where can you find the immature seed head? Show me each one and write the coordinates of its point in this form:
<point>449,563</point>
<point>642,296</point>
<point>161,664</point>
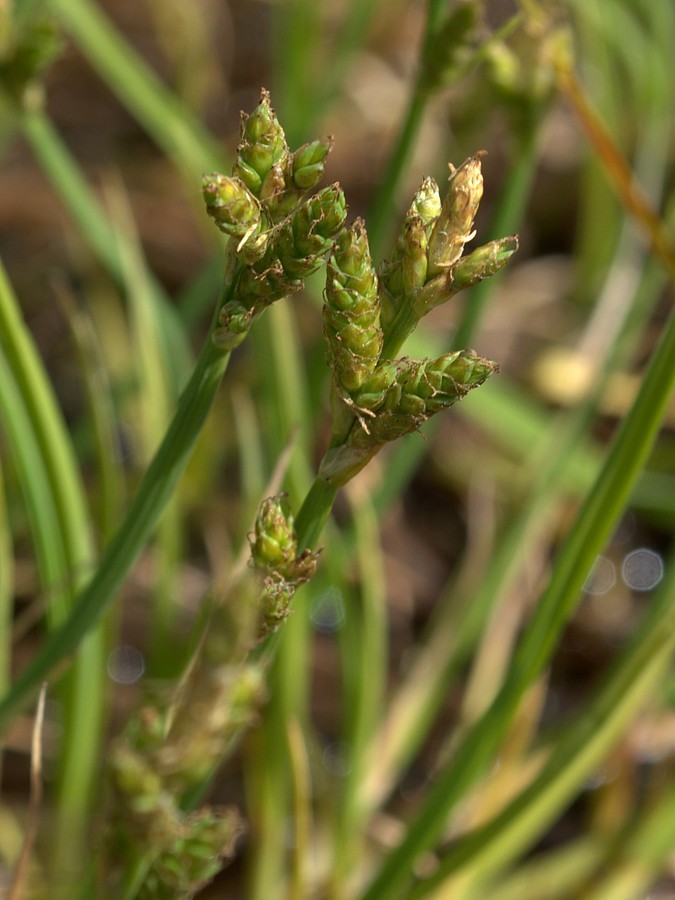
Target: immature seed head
<point>481,263</point>
<point>273,542</point>
<point>230,204</point>
<point>454,226</point>
<point>308,163</point>
<point>352,309</point>
<point>263,145</point>
<point>307,235</point>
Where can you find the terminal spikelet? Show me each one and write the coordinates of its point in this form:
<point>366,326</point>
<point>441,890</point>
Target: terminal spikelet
<point>262,149</point>
<point>454,226</point>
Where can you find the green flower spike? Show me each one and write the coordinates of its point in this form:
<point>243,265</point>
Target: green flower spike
<point>268,169</point>
<point>481,263</point>
<point>273,543</point>
<point>286,185</point>
<point>428,265</point>
<point>263,147</point>
<point>231,205</point>
<point>352,310</point>
<point>274,552</point>
<point>400,396</point>
<point>295,249</point>
<point>195,851</point>
<point>187,848</point>
<point>406,272</point>
<point>310,231</point>
<point>309,162</point>
<point>274,261</point>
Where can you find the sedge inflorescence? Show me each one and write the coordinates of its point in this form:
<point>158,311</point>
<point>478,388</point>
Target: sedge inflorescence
<point>278,236</point>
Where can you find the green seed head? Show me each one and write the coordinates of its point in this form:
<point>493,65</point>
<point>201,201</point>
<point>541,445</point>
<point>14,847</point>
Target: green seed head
<point>397,399</point>
<point>406,272</point>
<point>318,220</point>
<point>230,204</point>
<point>190,849</point>
<point>414,263</point>
<point>273,543</point>
<point>263,145</point>
<point>309,232</point>
<point>419,389</point>
<point>483,262</point>
<point>274,552</point>
<point>352,309</point>
<point>234,321</point>
<point>443,381</point>
<point>308,163</point>
<point>286,183</point>
<point>427,202</point>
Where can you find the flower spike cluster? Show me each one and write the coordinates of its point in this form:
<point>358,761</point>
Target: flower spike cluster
<point>277,238</point>
<point>368,315</point>
<point>428,265</point>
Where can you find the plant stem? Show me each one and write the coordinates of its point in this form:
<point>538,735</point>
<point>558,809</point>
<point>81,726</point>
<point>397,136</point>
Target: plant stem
<point>154,492</point>
<point>314,513</point>
<point>403,325</point>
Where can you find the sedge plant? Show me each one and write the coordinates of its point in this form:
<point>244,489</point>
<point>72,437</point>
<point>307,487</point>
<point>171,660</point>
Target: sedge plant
<point>157,836</point>
<point>274,240</point>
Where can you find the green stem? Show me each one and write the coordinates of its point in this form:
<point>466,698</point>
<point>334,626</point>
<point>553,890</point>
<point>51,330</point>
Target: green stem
<point>405,322</point>
<point>154,492</point>
<point>84,688</point>
<point>314,513</point>
<point>594,524</point>
<point>633,680</point>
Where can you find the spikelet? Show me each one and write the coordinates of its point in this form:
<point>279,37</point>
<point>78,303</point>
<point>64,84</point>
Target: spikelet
<point>406,272</point>
<point>295,249</point>
<point>481,263</point>
<point>352,310</point>
<point>275,557</point>
<point>454,227</point>
<point>262,149</point>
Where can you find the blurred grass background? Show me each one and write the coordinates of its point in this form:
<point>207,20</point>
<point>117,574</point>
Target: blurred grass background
<point>444,543</point>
